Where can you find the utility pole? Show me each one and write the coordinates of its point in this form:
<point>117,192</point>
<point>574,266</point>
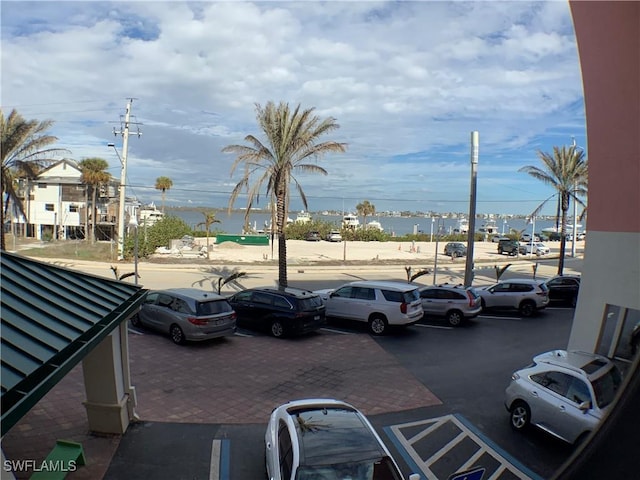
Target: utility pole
<point>124,131</point>
<point>468,270</point>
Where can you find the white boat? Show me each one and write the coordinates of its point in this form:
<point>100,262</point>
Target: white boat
<point>303,217</point>
<point>350,221</point>
<point>375,225</point>
<point>148,215</point>
<point>489,228</point>
<point>462,226</point>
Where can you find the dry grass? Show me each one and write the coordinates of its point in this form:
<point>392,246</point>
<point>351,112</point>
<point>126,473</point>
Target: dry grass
<point>78,249</point>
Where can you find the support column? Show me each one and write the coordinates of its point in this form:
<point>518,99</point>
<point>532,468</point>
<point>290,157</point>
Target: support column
<point>110,400</point>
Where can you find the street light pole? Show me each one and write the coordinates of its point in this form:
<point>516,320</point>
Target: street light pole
<point>468,270</point>
<point>134,224</point>
<point>123,180</point>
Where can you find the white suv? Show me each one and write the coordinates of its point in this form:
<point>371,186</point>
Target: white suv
<point>522,294</point>
<point>380,304</point>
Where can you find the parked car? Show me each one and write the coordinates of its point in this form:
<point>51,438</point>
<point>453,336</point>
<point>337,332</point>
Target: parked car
<point>526,237</point>
<point>537,248</point>
<point>455,303</point>
<point>564,288</point>
<point>186,314</point>
<point>313,236</point>
<point>497,238</point>
<point>380,304</point>
<point>525,295</point>
<point>325,439</point>
<point>565,393</point>
<point>455,249</point>
<point>510,247</point>
<point>279,311</point>
<point>334,236</point>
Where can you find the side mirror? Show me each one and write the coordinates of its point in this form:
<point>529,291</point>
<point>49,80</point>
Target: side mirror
<point>414,476</point>
<point>584,406</point>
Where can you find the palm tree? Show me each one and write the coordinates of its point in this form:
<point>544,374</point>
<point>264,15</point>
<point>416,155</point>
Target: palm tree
<point>566,172</point>
<point>209,219</point>
<point>292,139</point>
<point>365,209</point>
<point>94,174</point>
<point>164,184</point>
<point>23,149</point>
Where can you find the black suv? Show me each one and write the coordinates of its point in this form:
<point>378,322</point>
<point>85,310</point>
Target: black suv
<point>511,247</point>
<point>564,288</point>
<point>279,311</point>
<point>455,249</point>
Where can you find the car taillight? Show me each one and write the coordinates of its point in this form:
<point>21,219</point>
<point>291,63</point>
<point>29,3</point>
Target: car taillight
<point>471,299</point>
<point>403,307</point>
<point>197,321</point>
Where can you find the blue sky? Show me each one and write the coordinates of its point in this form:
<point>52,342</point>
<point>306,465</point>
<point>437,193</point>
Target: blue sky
<point>406,81</point>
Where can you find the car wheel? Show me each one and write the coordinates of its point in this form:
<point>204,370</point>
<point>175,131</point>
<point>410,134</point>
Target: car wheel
<point>378,325</point>
<point>527,308</point>
<point>520,416</point>
<point>277,329</point>
<point>500,251</point>
<point>483,304</point>
<point>177,335</point>
<point>455,318</point>
<point>135,321</point>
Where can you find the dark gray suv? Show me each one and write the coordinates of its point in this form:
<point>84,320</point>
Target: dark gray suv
<point>511,247</point>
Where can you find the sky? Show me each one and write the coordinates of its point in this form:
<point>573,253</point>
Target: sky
<point>407,82</point>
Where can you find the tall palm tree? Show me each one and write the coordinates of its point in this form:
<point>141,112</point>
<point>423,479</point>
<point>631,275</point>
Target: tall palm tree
<point>94,174</point>
<point>24,151</point>
<point>292,139</point>
<point>164,184</point>
<point>209,219</point>
<point>566,171</point>
<point>365,209</point>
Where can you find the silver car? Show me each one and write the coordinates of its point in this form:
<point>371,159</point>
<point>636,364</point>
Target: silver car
<point>186,314</point>
<point>455,303</point>
<point>325,439</point>
<point>565,393</point>
<point>380,304</point>
<point>525,295</point>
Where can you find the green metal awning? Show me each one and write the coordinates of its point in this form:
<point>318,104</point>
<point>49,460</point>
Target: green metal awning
<point>51,318</point>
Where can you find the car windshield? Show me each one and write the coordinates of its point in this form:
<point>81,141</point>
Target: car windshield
<point>212,308</point>
<point>606,386</point>
<point>411,296</point>
<point>374,469</point>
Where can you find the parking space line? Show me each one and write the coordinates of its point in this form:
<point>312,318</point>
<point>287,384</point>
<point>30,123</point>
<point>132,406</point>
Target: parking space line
<point>495,317</point>
<point>440,327</point>
<point>444,450</point>
<point>325,329</point>
<point>219,463</point>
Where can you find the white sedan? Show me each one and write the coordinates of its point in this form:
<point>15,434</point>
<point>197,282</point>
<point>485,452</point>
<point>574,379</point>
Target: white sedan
<point>325,439</point>
<point>537,248</point>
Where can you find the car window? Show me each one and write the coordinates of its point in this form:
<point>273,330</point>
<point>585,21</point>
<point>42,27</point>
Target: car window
<point>450,295</point>
<point>363,293</point>
<point>521,287</point>
<point>606,387</point>
<point>242,297</point>
<point>578,391</point>
<point>151,297</point>
<point>261,297</point>
<point>344,292</point>
<point>281,302</point>
<point>392,296</point>
<point>557,382</point>
<point>285,451</point>
<point>501,287</point>
<point>164,300</point>
<point>429,293</point>
<point>181,306</point>
<point>309,303</point>
<point>213,307</point>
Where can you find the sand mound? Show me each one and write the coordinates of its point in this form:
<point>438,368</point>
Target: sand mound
<point>229,245</point>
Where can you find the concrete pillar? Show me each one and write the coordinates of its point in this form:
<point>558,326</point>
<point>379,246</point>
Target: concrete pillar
<point>111,399</point>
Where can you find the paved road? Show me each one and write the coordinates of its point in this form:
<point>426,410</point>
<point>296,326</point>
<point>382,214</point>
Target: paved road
<point>467,369</point>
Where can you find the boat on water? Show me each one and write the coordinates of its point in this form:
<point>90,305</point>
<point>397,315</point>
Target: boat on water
<point>303,217</point>
<point>489,228</point>
<point>375,225</point>
<point>148,215</point>
<point>350,221</point>
<point>462,227</point>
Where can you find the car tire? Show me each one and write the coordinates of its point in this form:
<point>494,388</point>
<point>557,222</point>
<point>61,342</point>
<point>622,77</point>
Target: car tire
<point>499,251</point>
<point>378,325</point>
<point>527,308</point>
<point>135,321</point>
<point>455,318</point>
<point>581,438</point>
<point>277,329</point>
<point>483,304</point>
<point>177,335</point>
<point>520,416</point>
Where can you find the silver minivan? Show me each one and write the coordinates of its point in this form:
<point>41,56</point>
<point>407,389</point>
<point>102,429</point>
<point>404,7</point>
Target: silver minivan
<point>186,314</point>
<point>380,304</point>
